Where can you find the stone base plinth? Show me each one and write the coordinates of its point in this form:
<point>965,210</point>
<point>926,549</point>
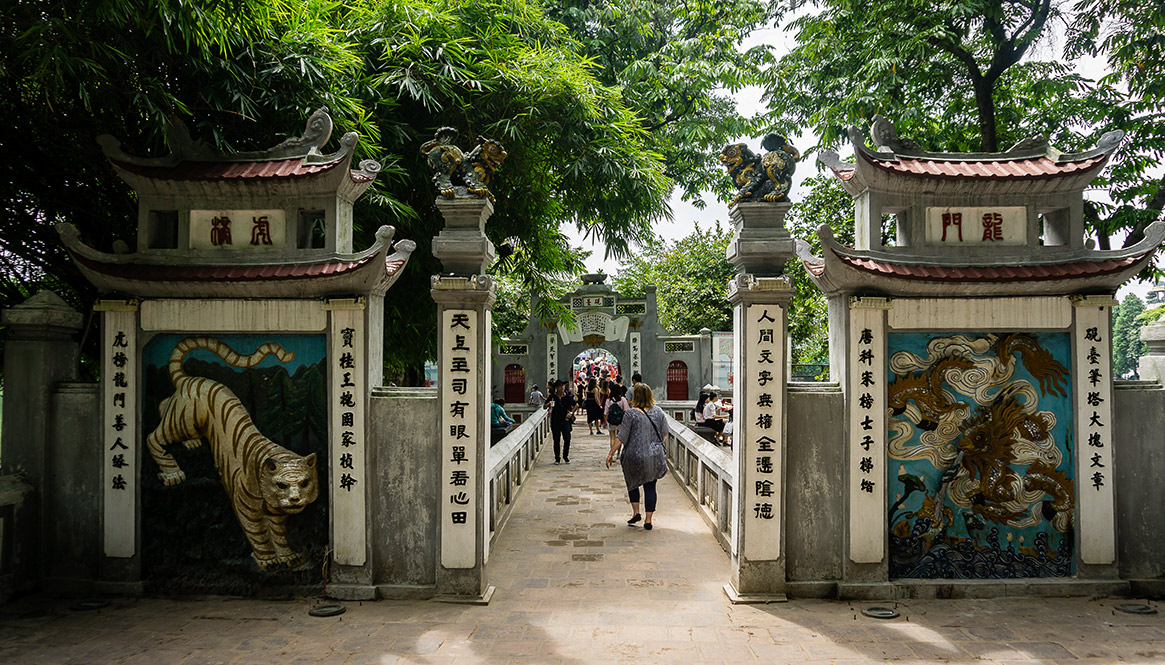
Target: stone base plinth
<point>737,598</point>
<point>936,589</point>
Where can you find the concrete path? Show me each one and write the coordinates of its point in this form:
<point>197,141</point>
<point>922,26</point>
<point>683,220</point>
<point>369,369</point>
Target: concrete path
<point>576,585</point>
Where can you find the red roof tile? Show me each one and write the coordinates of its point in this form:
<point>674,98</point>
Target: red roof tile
<point>992,273</point>
<point>227,273</point>
<point>282,168</point>
<point>1037,167</point>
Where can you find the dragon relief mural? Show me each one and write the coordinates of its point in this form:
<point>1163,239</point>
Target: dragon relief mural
<point>979,431</point>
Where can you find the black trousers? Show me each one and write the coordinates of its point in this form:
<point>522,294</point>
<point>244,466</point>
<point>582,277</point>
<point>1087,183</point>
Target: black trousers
<point>561,431</point>
<point>648,496</point>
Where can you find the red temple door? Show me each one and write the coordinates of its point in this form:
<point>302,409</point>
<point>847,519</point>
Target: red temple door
<point>515,380</point>
<point>677,380</point>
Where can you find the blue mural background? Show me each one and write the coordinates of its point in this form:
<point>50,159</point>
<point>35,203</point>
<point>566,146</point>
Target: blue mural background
<point>999,424</point>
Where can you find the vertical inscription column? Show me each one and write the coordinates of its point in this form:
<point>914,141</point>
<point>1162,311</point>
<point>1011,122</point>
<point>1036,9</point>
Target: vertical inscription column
<point>463,382</point>
<point>460,436</point>
<point>347,358</point>
<point>551,360</point>
<point>760,323</point>
<point>636,341</point>
<point>866,401</point>
<point>1094,442</point>
<point>119,374</point>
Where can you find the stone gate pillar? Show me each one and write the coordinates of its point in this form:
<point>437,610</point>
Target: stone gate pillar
<point>464,298</point>
<point>40,354</point>
<point>760,297</point>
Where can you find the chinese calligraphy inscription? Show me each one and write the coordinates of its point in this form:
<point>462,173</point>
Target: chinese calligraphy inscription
<point>998,225</point>
<point>867,432</point>
<point>461,410</point>
<point>237,229</point>
<point>636,361</point>
<point>348,443</point>
<point>551,357</point>
<point>1094,441</point>
<point>760,423</point>
<point>119,372</point>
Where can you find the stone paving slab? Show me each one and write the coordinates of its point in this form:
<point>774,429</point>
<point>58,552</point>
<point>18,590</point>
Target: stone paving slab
<point>576,585</point>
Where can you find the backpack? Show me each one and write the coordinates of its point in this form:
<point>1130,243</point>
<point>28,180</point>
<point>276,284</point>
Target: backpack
<point>615,414</point>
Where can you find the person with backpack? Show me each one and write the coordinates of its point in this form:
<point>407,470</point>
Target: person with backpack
<point>644,461</point>
<point>614,409</point>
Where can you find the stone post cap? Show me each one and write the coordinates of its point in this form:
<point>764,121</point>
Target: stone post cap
<point>465,213</point>
<point>45,310</point>
<point>1154,335</point>
<point>761,245</point>
<point>462,246</point>
<point>759,215</point>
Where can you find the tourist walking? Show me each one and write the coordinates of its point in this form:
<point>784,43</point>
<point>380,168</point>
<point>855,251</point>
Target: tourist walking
<point>614,409</point>
<point>562,407</point>
<point>643,459</point>
<point>536,396</point>
<point>594,407</point>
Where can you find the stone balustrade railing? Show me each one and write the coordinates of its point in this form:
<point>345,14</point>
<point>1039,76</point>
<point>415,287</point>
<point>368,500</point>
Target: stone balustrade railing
<point>509,462</point>
<point>704,470</point>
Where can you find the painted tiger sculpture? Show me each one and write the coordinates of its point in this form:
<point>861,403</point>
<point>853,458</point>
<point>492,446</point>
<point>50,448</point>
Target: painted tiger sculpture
<point>265,481</point>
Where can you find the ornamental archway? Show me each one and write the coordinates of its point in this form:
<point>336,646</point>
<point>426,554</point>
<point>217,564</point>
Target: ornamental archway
<point>625,326</point>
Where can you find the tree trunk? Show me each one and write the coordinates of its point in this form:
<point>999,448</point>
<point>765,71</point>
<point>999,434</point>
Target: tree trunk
<point>986,104</point>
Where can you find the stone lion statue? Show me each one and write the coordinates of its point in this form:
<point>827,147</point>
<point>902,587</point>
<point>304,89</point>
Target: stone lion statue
<point>462,175</point>
<point>761,178</point>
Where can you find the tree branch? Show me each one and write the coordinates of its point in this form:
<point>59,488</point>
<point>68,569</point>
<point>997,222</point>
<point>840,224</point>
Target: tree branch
<point>1155,205</point>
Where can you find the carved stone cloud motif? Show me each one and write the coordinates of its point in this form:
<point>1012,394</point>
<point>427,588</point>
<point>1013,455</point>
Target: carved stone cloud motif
<point>594,325</point>
<point>460,175</point>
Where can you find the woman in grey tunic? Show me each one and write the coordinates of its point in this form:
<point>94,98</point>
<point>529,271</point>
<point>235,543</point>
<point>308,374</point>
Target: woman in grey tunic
<point>643,460</point>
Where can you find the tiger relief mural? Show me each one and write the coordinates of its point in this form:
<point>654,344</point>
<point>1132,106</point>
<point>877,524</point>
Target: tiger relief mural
<point>265,482</point>
<point>979,436</point>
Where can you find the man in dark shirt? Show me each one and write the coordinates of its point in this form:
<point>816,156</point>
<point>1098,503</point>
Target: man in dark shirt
<point>562,407</point>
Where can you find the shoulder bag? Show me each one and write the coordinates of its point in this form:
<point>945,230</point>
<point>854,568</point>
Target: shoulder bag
<point>656,458</point>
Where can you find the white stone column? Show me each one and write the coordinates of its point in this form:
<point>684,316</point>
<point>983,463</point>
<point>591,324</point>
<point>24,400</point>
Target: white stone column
<point>347,450</point>
<point>760,323</point>
<point>463,358</point>
<point>1092,341</point>
<point>866,405</point>
<point>119,423</point>
<point>464,302</point>
<point>760,297</point>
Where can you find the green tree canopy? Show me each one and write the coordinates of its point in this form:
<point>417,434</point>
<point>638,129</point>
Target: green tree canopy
<point>691,277</point>
<point>825,202</point>
<point>245,74</point>
<point>980,75</point>
<point>677,65</point>
<point>1127,347</point>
